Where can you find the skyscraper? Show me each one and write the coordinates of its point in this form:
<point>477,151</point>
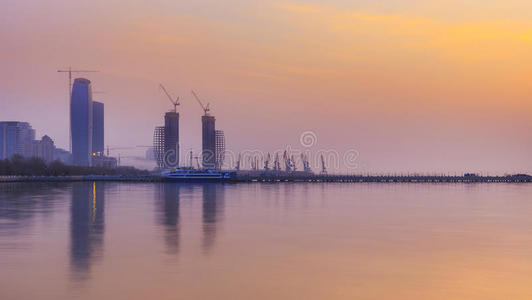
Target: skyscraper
<point>44,149</point>
<point>171,139</point>
<point>81,118</point>
<point>16,138</point>
<point>97,127</point>
<point>208,141</point>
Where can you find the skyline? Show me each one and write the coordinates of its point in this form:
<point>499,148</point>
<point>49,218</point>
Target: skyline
<point>412,87</point>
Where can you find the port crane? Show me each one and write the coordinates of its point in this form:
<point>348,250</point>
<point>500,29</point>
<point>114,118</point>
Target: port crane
<point>174,102</point>
<point>205,108</point>
<point>237,166</point>
<point>70,71</point>
<point>276,163</point>
<point>267,162</point>
<point>323,167</point>
<point>306,163</point>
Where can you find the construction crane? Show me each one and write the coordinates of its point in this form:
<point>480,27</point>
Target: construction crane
<point>70,71</point>
<point>206,108</point>
<point>175,103</point>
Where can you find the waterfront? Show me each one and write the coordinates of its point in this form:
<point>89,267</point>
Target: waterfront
<point>109,240</point>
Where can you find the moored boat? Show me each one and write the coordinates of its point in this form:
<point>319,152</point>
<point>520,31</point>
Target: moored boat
<point>196,175</point>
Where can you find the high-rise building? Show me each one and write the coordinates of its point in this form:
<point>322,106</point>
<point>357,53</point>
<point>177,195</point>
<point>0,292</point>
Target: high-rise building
<point>171,139</point>
<point>63,156</point>
<point>97,128</point>
<point>44,149</point>
<point>16,138</point>
<point>81,118</point>
<point>208,142</point>
<point>220,149</point>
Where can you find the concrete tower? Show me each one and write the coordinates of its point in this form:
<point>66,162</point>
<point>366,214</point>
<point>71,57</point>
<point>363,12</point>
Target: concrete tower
<point>171,139</point>
<point>208,140</point>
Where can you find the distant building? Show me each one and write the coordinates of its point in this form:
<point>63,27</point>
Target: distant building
<point>16,138</point>
<point>158,145</point>
<point>97,127</point>
<point>63,156</point>
<point>44,149</point>
<point>208,142</point>
<point>150,154</point>
<point>81,118</point>
<point>171,139</point>
<point>220,149</point>
<point>101,160</point>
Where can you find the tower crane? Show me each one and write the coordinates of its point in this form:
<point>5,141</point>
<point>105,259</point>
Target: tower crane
<point>205,108</point>
<point>70,71</point>
<point>175,103</point>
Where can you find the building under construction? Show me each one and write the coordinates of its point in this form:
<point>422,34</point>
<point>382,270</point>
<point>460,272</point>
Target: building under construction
<point>171,139</point>
<point>158,145</point>
<point>166,138</point>
<point>208,142</point>
<point>220,149</point>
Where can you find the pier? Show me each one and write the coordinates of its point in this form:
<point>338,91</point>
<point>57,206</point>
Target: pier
<point>311,177</point>
<point>280,177</point>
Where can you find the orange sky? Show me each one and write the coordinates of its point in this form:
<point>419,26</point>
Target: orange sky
<point>412,85</point>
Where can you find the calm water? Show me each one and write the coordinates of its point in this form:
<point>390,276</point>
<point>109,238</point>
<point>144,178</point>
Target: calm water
<point>265,241</point>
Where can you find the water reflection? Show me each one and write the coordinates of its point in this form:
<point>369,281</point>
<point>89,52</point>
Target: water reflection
<point>87,227</point>
<point>168,216</point>
<point>213,207</point>
<point>20,203</point>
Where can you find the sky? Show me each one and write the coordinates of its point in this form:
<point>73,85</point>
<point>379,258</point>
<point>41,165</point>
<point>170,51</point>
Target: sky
<point>410,86</point>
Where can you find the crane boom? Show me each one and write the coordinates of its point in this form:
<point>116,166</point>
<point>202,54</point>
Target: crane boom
<point>175,103</point>
<point>206,109</point>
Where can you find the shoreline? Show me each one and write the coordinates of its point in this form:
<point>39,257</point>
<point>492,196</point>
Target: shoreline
<point>282,178</point>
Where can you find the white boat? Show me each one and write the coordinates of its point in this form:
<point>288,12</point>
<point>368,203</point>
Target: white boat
<point>189,174</point>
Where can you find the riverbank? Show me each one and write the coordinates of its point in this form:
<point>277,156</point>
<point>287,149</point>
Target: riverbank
<point>286,177</point>
<point>121,178</point>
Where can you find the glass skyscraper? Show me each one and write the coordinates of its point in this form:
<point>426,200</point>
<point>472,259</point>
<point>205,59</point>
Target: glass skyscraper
<point>81,122</point>
<point>16,138</point>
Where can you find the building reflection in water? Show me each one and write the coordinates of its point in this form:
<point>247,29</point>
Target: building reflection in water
<point>87,227</point>
<point>168,215</point>
<point>213,208</point>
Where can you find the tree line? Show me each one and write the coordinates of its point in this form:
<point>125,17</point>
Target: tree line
<point>34,166</point>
